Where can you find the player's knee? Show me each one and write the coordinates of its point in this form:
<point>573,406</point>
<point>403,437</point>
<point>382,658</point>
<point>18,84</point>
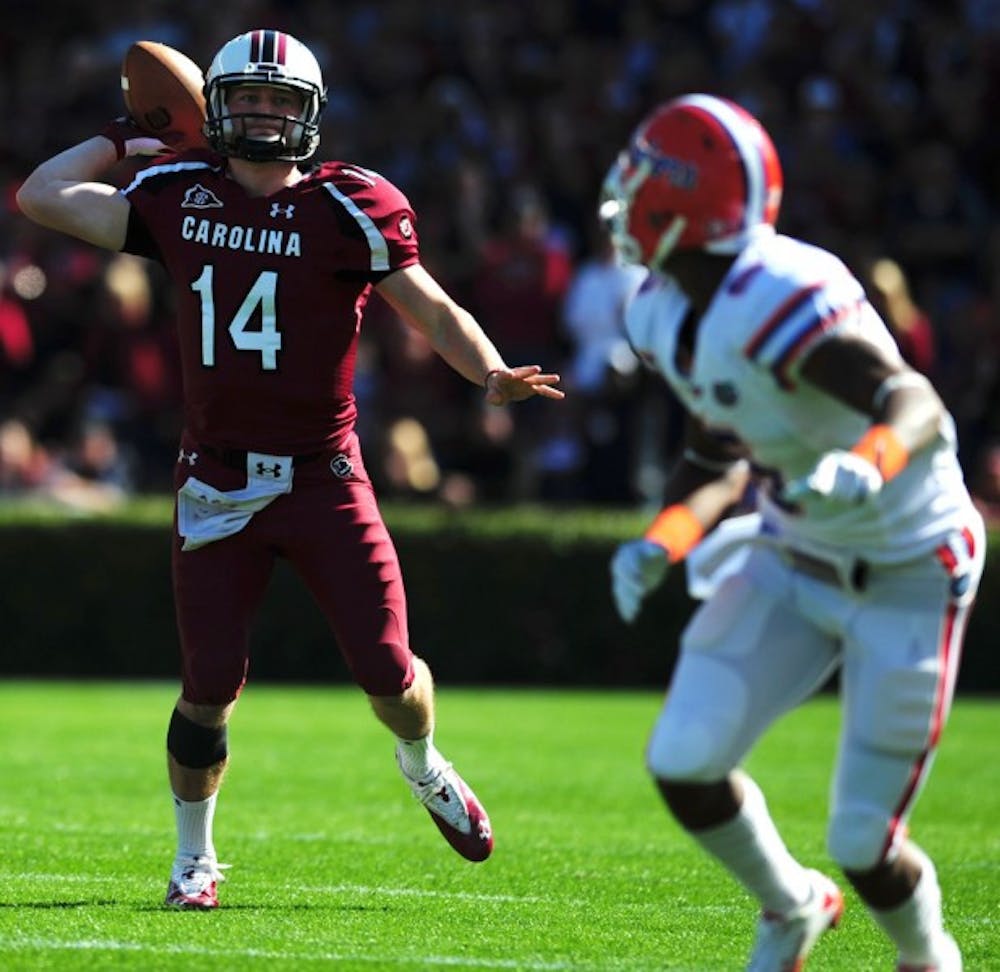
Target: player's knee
<point>856,837</point>
<point>389,673</point>
<point>687,753</point>
<point>195,746</point>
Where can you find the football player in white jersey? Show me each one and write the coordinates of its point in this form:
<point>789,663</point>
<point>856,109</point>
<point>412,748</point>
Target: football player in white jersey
<point>864,554</point>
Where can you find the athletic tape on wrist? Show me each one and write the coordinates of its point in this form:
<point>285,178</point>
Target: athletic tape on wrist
<point>118,132</point>
<point>677,530</point>
<point>881,447</point>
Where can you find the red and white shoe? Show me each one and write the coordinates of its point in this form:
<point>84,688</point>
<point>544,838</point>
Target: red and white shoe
<point>948,958</point>
<point>455,810</point>
<point>194,883</point>
<point>784,941</point>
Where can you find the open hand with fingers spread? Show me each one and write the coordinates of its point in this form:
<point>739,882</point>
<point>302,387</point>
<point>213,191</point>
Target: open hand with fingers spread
<point>505,385</point>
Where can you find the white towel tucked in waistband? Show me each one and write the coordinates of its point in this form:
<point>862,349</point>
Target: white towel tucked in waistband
<point>206,514</point>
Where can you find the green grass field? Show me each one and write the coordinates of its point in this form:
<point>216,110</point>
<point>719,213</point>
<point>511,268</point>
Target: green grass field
<point>336,866</point>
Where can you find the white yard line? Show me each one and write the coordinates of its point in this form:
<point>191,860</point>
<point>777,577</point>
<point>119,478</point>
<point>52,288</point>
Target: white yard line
<point>305,889</point>
<point>8,944</point>
<point>419,893</point>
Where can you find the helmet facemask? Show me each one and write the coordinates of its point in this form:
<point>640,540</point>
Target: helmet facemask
<point>622,185</point>
<point>295,141</point>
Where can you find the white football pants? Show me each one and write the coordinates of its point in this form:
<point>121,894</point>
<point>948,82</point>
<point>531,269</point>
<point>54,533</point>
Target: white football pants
<point>770,637</point>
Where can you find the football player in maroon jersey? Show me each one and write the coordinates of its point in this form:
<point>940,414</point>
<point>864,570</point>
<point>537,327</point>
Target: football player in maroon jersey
<point>272,264</point>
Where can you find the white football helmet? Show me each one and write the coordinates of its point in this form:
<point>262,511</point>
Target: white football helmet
<point>267,57</point>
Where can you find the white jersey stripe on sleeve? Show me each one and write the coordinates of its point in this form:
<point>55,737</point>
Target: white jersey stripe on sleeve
<point>365,175</point>
<point>786,310</point>
<point>155,170</point>
<point>804,337</point>
<point>377,244</point>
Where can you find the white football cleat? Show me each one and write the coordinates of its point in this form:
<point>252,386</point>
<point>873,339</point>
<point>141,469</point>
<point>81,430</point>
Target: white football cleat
<point>194,883</point>
<point>455,810</point>
<point>784,941</point>
<point>947,959</point>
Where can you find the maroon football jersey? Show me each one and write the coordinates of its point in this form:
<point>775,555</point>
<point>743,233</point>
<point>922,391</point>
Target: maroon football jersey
<point>269,292</point>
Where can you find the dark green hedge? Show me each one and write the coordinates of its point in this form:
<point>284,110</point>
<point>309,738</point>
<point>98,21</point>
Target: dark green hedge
<point>499,596</point>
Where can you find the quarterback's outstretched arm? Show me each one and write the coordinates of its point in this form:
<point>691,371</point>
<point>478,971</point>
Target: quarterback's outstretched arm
<point>64,195</point>
<point>454,334</point>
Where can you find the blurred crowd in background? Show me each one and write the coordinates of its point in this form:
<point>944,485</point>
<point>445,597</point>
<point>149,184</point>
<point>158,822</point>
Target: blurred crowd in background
<point>499,119</point>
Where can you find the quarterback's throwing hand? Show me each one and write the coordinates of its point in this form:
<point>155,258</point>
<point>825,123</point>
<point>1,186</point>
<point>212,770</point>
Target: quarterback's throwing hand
<point>505,385</point>
<point>637,568</point>
<point>129,140</point>
<point>838,477</point>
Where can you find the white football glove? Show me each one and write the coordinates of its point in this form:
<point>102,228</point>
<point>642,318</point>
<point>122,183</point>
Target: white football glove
<point>637,568</point>
<point>839,477</point>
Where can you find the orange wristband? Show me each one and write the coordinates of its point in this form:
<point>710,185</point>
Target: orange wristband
<point>881,447</point>
<point>677,529</point>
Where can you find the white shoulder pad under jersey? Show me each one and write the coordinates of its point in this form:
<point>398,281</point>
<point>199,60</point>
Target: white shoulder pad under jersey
<point>740,375</point>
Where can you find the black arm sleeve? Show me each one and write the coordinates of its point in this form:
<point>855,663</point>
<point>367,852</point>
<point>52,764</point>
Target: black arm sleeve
<point>138,239</point>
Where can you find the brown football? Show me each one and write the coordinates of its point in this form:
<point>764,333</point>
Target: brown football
<point>162,89</point>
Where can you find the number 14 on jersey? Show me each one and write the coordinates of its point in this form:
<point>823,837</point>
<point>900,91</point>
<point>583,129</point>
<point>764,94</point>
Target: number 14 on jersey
<point>266,339</point>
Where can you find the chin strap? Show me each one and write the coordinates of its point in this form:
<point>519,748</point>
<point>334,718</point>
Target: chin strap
<point>668,241</point>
